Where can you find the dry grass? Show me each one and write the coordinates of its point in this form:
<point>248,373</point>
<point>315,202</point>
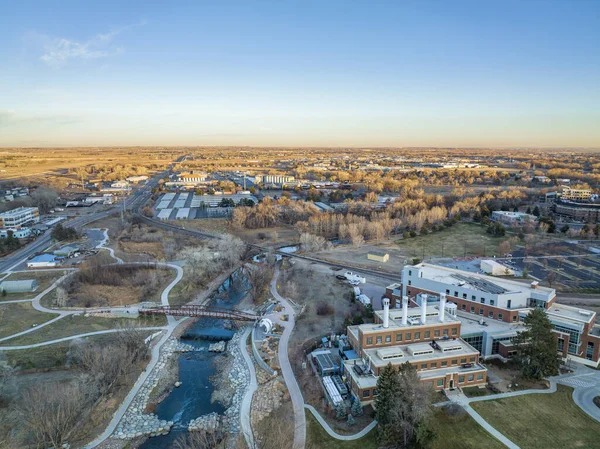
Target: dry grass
<point>19,317</point>
<point>44,278</point>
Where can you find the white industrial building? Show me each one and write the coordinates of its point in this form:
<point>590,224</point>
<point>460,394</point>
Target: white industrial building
<point>164,214</point>
<point>22,286</point>
<point>494,268</point>
<point>19,217</point>
<point>43,261</point>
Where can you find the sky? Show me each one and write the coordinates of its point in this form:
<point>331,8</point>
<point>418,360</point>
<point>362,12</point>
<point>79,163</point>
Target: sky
<point>306,73</point>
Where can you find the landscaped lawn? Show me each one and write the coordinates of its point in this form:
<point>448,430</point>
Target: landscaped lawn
<point>460,432</point>
<point>452,242</point>
<point>317,438</point>
<point>542,421</point>
<point>452,432</point>
<point>20,316</point>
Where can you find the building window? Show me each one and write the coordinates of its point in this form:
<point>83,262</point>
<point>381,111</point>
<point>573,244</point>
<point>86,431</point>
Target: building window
<point>463,306</point>
<point>417,335</point>
<point>480,311</point>
<point>473,297</point>
<point>472,359</point>
<point>410,272</point>
<point>589,352</point>
<point>476,341</point>
<point>369,340</point>
<point>388,338</point>
<point>433,365</point>
<point>366,393</point>
<point>445,332</point>
<point>374,392</point>
<point>445,363</point>
<point>423,365</point>
<point>463,360</point>
<point>456,294</point>
<point>461,379</point>
<point>492,302</point>
<point>480,376</point>
<point>436,333</point>
<point>455,362</point>
<point>427,334</point>
<point>508,303</point>
<point>454,331</point>
<point>470,378</point>
<point>408,336</point>
<point>378,340</point>
<point>447,291</point>
<point>482,301</point>
<point>500,316</point>
<point>561,344</point>
<point>490,314</point>
<point>440,382</point>
<point>514,318</point>
<point>398,337</point>
<point>409,282</point>
<point>472,309</point>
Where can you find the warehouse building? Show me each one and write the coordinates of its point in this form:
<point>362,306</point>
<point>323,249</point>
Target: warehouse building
<point>23,286</point>
<point>44,261</point>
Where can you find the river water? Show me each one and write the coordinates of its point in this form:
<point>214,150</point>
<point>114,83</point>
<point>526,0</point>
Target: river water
<point>192,398</point>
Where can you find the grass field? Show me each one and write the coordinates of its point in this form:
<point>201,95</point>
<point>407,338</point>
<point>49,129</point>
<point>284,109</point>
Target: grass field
<point>462,239</point>
<point>19,317</point>
<point>452,432</point>
<point>44,278</point>
<point>542,421</point>
<point>73,325</point>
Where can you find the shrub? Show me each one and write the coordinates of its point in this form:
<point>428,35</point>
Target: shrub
<point>324,309</point>
<point>413,234</point>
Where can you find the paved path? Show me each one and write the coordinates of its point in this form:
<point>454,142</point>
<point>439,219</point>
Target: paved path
<point>286,367</point>
<point>104,242</point>
<point>73,337</point>
<point>246,424</point>
<point>16,300</point>
<point>335,435</point>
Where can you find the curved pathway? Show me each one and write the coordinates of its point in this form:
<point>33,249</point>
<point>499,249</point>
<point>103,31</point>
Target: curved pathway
<point>104,242</point>
<point>286,367</point>
<point>73,337</point>
<point>335,435</point>
<point>246,423</point>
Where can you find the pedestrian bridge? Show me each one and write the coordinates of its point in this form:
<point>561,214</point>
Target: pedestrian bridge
<point>201,312</point>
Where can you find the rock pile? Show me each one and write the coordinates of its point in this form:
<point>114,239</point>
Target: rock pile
<point>184,347</point>
<point>239,378</point>
<point>135,422</point>
<point>218,347</point>
<point>268,396</point>
<point>206,423</point>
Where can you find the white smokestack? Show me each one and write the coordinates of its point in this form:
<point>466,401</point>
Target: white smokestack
<point>423,308</point>
<point>442,307</point>
<point>404,310</point>
<point>386,313</point>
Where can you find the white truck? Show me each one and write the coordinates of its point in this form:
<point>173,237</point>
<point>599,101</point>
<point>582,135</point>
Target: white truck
<point>354,277</point>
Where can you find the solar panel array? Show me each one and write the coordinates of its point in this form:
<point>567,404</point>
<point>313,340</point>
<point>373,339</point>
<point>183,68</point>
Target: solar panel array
<point>481,284</point>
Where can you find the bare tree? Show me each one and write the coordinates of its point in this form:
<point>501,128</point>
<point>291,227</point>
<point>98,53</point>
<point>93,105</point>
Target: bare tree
<point>50,412</point>
<point>258,276</point>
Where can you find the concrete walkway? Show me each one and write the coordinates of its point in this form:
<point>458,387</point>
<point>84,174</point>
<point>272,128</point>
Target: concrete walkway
<point>335,435</point>
<point>246,424</point>
<point>73,337</point>
<point>483,423</point>
<point>103,243</point>
<point>16,301</point>
<point>286,367</point>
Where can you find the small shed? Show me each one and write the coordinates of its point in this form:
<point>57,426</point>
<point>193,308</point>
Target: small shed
<point>23,286</point>
<point>378,256</point>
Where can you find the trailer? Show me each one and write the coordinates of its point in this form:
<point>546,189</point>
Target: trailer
<point>354,277</point>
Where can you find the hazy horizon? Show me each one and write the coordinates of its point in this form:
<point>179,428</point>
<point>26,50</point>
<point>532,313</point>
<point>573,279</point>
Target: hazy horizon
<point>335,74</point>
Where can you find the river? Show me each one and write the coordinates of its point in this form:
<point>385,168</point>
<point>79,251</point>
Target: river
<point>193,398</point>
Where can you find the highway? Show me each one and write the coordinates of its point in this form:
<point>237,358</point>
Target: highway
<point>136,200</point>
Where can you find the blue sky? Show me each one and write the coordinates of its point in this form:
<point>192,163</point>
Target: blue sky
<point>429,73</point>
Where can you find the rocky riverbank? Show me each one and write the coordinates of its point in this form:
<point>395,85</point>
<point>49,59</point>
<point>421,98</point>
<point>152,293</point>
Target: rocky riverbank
<point>136,423</point>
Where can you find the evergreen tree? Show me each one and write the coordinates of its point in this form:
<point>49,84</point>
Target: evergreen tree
<point>529,210</point>
<point>340,411</point>
<point>536,347</point>
<point>536,211</point>
<point>350,420</point>
<point>356,408</point>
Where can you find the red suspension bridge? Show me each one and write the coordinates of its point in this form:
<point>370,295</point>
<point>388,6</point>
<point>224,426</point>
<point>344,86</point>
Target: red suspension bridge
<point>200,311</point>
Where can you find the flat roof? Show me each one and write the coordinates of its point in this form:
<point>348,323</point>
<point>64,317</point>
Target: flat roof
<point>571,313</point>
<point>17,211</point>
<point>414,315</point>
<point>407,352</point>
<point>475,281</point>
<point>470,324</point>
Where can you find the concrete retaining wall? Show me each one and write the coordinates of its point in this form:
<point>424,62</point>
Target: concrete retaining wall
<point>259,359</point>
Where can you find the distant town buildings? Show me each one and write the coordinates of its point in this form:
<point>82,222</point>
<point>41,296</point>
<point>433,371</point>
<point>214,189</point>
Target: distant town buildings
<point>19,217</point>
<point>273,179</point>
<point>570,194</point>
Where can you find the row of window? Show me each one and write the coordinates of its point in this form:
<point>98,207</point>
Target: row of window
<point>473,297</point>
<point>444,363</point>
<point>490,314</point>
<point>461,379</point>
<point>408,336</point>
